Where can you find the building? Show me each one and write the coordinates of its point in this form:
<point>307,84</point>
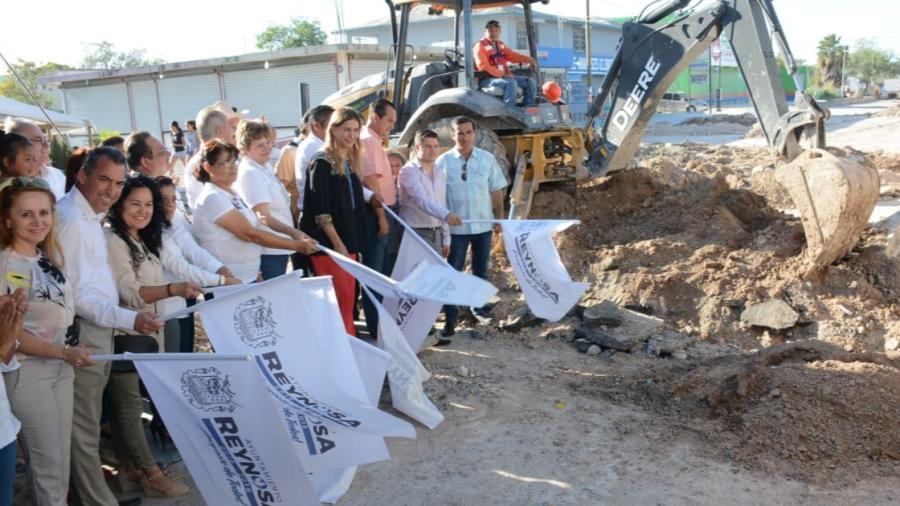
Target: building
<point>560,40</point>
<point>266,84</point>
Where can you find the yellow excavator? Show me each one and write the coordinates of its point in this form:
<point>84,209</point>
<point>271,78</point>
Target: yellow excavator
<point>540,144</point>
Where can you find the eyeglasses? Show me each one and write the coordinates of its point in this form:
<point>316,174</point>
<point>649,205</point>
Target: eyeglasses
<point>43,141</point>
<point>25,182</point>
<point>170,200</point>
<point>464,175</point>
<point>227,163</point>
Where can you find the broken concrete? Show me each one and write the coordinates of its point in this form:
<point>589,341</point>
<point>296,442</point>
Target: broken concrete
<point>774,314</point>
<point>610,326</point>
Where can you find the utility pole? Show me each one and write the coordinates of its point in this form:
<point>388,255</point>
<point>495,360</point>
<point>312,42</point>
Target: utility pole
<point>587,50</point>
<point>709,79</point>
<point>843,71</point>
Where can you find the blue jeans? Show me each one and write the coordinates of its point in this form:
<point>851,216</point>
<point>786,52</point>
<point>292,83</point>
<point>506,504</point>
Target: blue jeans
<point>375,257</point>
<point>273,266</point>
<point>481,251</point>
<point>509,86</point>
<point>7,473</point>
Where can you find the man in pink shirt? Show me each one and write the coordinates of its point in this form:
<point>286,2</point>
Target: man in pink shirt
<point>377,177</point>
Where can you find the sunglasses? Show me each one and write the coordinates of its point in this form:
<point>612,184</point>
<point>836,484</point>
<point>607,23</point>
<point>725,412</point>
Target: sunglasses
<point>464,175</point>
<point>25,182</point>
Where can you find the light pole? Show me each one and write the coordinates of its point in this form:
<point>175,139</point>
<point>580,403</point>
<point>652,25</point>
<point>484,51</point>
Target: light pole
<point>587,49</point>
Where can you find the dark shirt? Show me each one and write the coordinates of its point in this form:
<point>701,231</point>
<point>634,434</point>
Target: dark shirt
<point>178,141</point>
<point>327,193</point>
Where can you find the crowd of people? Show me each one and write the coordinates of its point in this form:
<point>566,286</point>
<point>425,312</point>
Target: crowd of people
<point>95,254</point>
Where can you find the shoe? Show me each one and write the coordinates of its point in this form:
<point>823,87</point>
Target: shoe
<point>174,489</point>
<point>442,341</point>
<point>482,315</point>
<point>448,331</point>
<point>132,501</point>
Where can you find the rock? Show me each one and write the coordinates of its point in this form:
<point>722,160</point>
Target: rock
<point>668,344</point>
<point>774,314</point>
<point>609,264</point>
<point>582,345</point>
<point>518,319</point>
<point>892,344</point>
<point>477,334</point>
<point>605,314</point>
<point>463,371</point>
<point>624,329</point>
<point>679,355</point>
<point>593,350</point>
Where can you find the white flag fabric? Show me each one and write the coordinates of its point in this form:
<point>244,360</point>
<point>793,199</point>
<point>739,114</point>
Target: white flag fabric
<point>228,431</point>
<point>413,315</point>
<point>440,283</point>
<point>293,328</point>
<point>549,291</point>
<point>405,373</point>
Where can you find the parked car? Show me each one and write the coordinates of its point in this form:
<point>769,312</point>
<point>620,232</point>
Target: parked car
<point>677,102</point>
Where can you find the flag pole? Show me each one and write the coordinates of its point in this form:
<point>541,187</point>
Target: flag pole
<point>173,356</point>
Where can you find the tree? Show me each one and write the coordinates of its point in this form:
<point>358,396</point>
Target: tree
<point>103,55</point>
<point>830,60</point>
<point>29,72</point>
<point>872,64</point>
<point>299,33</point>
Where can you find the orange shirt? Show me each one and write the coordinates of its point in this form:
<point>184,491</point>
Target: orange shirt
<point>493,58</point>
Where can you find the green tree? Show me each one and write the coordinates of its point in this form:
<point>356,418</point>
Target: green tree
<point>103,55</point>
<point>872,64</point>
<point>298,33</point>
<point>830,60</point>
<point>29,72</point>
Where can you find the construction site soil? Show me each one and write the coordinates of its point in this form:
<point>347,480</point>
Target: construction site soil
<point>694,234</point>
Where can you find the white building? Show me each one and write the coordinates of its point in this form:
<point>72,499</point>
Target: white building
<point>266,84</point>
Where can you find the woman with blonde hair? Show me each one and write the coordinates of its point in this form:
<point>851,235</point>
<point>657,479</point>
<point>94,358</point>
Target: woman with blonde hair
<point>334,205</point>
<point>41,388</point>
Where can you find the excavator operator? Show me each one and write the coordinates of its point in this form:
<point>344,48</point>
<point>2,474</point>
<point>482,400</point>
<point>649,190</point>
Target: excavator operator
<point>492,59</point>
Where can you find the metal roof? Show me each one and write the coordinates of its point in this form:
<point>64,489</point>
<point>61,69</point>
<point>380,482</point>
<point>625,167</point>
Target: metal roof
<point>476,4</point>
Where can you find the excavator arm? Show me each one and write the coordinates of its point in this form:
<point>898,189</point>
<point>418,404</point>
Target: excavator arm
<point>656,48</point>
<point>834,196</point>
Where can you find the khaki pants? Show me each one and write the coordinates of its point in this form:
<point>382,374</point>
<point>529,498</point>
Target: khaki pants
<point>128,428</point>
<point>40,393</point>
<point>87,476</point>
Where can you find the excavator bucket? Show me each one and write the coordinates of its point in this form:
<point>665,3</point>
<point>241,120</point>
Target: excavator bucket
<point>835,197</point>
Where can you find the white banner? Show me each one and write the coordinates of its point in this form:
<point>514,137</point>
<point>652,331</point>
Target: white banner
<point>440,283</point>
<point>549,291</point>
<point>228,430</point>
<point>405,373</point>
<point>293,328</point>
<point>414,316</point>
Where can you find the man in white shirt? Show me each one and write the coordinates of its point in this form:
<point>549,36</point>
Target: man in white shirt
<point>217,121</point>
<point>146,155</point>
<point>41,145</point>
<point>317,124</point>
<point>98,185</point>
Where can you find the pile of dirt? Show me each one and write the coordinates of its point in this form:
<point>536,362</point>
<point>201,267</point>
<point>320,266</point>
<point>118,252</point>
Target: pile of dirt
<point>691,235</point>
<point>745,119</point>
<point>891,112</point>
<point>807,411</point>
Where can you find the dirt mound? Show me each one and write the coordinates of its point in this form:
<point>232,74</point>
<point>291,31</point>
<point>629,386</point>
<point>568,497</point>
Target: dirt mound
<point>808,410</point>
<point>692,235</point>
<point>891,112</point>
<point>746,119</point>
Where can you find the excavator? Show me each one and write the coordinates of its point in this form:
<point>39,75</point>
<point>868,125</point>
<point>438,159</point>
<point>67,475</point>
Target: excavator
<point>541,145</point>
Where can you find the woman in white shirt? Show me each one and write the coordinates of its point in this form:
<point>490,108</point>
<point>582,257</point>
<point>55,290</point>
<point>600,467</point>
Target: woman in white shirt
<point>183,258</point>
<point>265,194</point>
<point>223,223</point>
<point>12,314</point>
<point>41,388</point>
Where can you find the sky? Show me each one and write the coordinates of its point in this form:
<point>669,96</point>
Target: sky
<point>180,31</point>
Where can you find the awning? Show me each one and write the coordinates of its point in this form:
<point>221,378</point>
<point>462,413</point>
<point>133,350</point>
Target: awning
<point>10,107</point>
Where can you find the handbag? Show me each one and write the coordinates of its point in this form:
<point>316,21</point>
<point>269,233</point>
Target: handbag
<point>132,343</point>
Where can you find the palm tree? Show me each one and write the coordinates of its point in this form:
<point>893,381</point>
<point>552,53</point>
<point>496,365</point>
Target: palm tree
<point>830,60</point>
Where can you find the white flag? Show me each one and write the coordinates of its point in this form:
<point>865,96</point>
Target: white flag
<point>294,330</point>
<point>549,290</point>
<point>414,316</point>
<point>228,430</point>
<point>405,373</point>
<point>440,283</point>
